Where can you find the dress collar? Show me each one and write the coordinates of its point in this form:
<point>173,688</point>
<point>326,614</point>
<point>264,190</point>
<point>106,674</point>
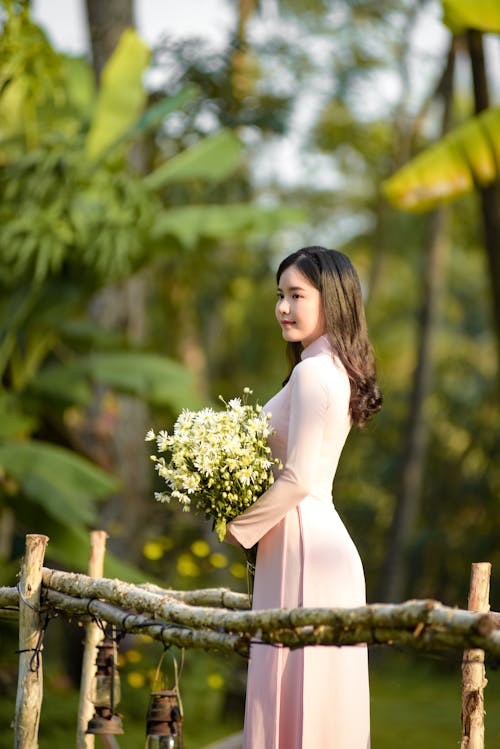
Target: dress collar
<point>320,346</point>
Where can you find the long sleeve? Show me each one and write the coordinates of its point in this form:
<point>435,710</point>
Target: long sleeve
<point>309,408</point>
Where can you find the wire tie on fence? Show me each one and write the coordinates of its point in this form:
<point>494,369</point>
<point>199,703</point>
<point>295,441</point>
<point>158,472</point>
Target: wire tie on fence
<point>97,620</point>
<point>25,600</point>
<point>162,631</point>
<point>35,660</point>
<point>124,622</point>
<point>170,626</point>
<point>89,612</point>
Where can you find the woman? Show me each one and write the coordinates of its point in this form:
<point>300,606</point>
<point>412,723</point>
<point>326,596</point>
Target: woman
<point>314,697</point>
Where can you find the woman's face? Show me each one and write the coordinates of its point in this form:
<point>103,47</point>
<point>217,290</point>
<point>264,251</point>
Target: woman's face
<point>299,309</point>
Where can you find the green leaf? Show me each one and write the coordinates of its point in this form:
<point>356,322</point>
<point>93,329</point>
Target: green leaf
<point>220,528</point>
<point>66,485</point>
<point>69,547</point>
<point>154,378</point>
<point>189,223</point>
<point>13,422</point>
<point>483,15</point>
<point>121,97</point>
<point>80,83</point>
<point>212,159</point>
<point>466,158</point>
<point>65,383</point>
<point>154,115</point>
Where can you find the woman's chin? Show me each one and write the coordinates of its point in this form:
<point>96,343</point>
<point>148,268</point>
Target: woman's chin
<point>290,336</point>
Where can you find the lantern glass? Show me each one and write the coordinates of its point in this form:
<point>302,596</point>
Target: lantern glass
<point>163,742</point>
<point>103,685</point>
<point>164,721</point>
<point>107,692</point>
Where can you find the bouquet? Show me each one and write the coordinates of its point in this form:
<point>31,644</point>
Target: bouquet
<point>219,463</point>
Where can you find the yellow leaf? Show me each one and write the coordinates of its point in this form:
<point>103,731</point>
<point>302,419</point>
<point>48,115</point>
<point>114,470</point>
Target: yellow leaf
<point>460,15</point>
<point>121,96</point>
<point>466,158</point>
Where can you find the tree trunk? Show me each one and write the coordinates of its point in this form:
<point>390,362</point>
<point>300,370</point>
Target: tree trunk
<point>490,196</point>
<point>107,21</point>
<point>121,307</point>
<point>393,577</point>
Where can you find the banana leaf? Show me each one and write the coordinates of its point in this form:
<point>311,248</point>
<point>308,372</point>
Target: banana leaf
<point>190,223</point>
<point>14,423</point>
<point>156,379</point>
<point>121,96</point>
<point>80,83</point>
<point>483,15</point>
<point>66,485</point>
<point>69,547</point>
<point>154,115</point>
<point>214,158</point>
<point>466,158</point>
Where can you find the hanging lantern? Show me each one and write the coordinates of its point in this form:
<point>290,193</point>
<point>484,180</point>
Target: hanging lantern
<point>164,721</point>
<point>164,718</point>
<point>107,691</point>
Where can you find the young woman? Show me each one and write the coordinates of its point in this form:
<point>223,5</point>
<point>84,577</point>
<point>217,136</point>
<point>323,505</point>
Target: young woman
<point>314,697</point>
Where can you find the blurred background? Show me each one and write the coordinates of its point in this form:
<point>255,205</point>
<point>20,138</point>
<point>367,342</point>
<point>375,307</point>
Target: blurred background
<point>157,161</point>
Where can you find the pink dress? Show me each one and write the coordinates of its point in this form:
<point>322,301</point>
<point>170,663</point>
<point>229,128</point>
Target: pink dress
<point>316,697</point>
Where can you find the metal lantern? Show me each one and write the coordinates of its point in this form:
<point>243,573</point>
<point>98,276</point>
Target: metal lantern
<point>164,720</point>
<point>165,714</point>
<point>107,691</point>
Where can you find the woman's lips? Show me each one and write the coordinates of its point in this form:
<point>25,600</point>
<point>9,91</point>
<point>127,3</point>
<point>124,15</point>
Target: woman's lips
<point>286,323</point>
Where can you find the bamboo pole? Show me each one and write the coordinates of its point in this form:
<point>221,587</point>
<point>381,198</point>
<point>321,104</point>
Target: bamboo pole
<point>30,678</point>
<point>473,672</point>
<point>93,635</point>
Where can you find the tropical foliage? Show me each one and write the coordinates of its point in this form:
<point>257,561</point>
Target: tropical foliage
<point>469,156</point>
<point>185,199</point>
<point>76,217</point>
<point>136,271</point>
<point>465,159</point>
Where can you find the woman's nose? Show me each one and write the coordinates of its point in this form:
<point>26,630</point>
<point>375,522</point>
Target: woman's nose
<point>283,307</point>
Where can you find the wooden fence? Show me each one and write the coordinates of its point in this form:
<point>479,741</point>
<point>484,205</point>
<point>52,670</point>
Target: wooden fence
<point>221,620</point>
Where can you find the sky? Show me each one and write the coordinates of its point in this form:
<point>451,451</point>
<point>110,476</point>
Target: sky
<point>65,23</point>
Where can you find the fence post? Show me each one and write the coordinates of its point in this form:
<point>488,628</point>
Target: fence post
<point>473,671</point>
<point>30,678</point>
<point>93,635</point>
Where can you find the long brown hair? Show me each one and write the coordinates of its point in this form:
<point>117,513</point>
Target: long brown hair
<point>333,274</point>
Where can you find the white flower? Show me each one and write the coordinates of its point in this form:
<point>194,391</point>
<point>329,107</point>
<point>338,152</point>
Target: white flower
<point>245,476</point>
<point>162,497</point>
<point>150,436</point>
<point>235,405</point>
<point>218,462</point>
<point>162,441</point>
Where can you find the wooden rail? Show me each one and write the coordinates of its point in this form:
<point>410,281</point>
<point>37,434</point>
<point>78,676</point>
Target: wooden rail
<point>220,620</point>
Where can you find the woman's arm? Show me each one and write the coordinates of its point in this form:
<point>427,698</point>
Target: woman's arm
<point>310,397</point>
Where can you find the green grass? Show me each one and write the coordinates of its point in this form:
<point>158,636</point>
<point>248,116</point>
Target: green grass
<point>415,705</point>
